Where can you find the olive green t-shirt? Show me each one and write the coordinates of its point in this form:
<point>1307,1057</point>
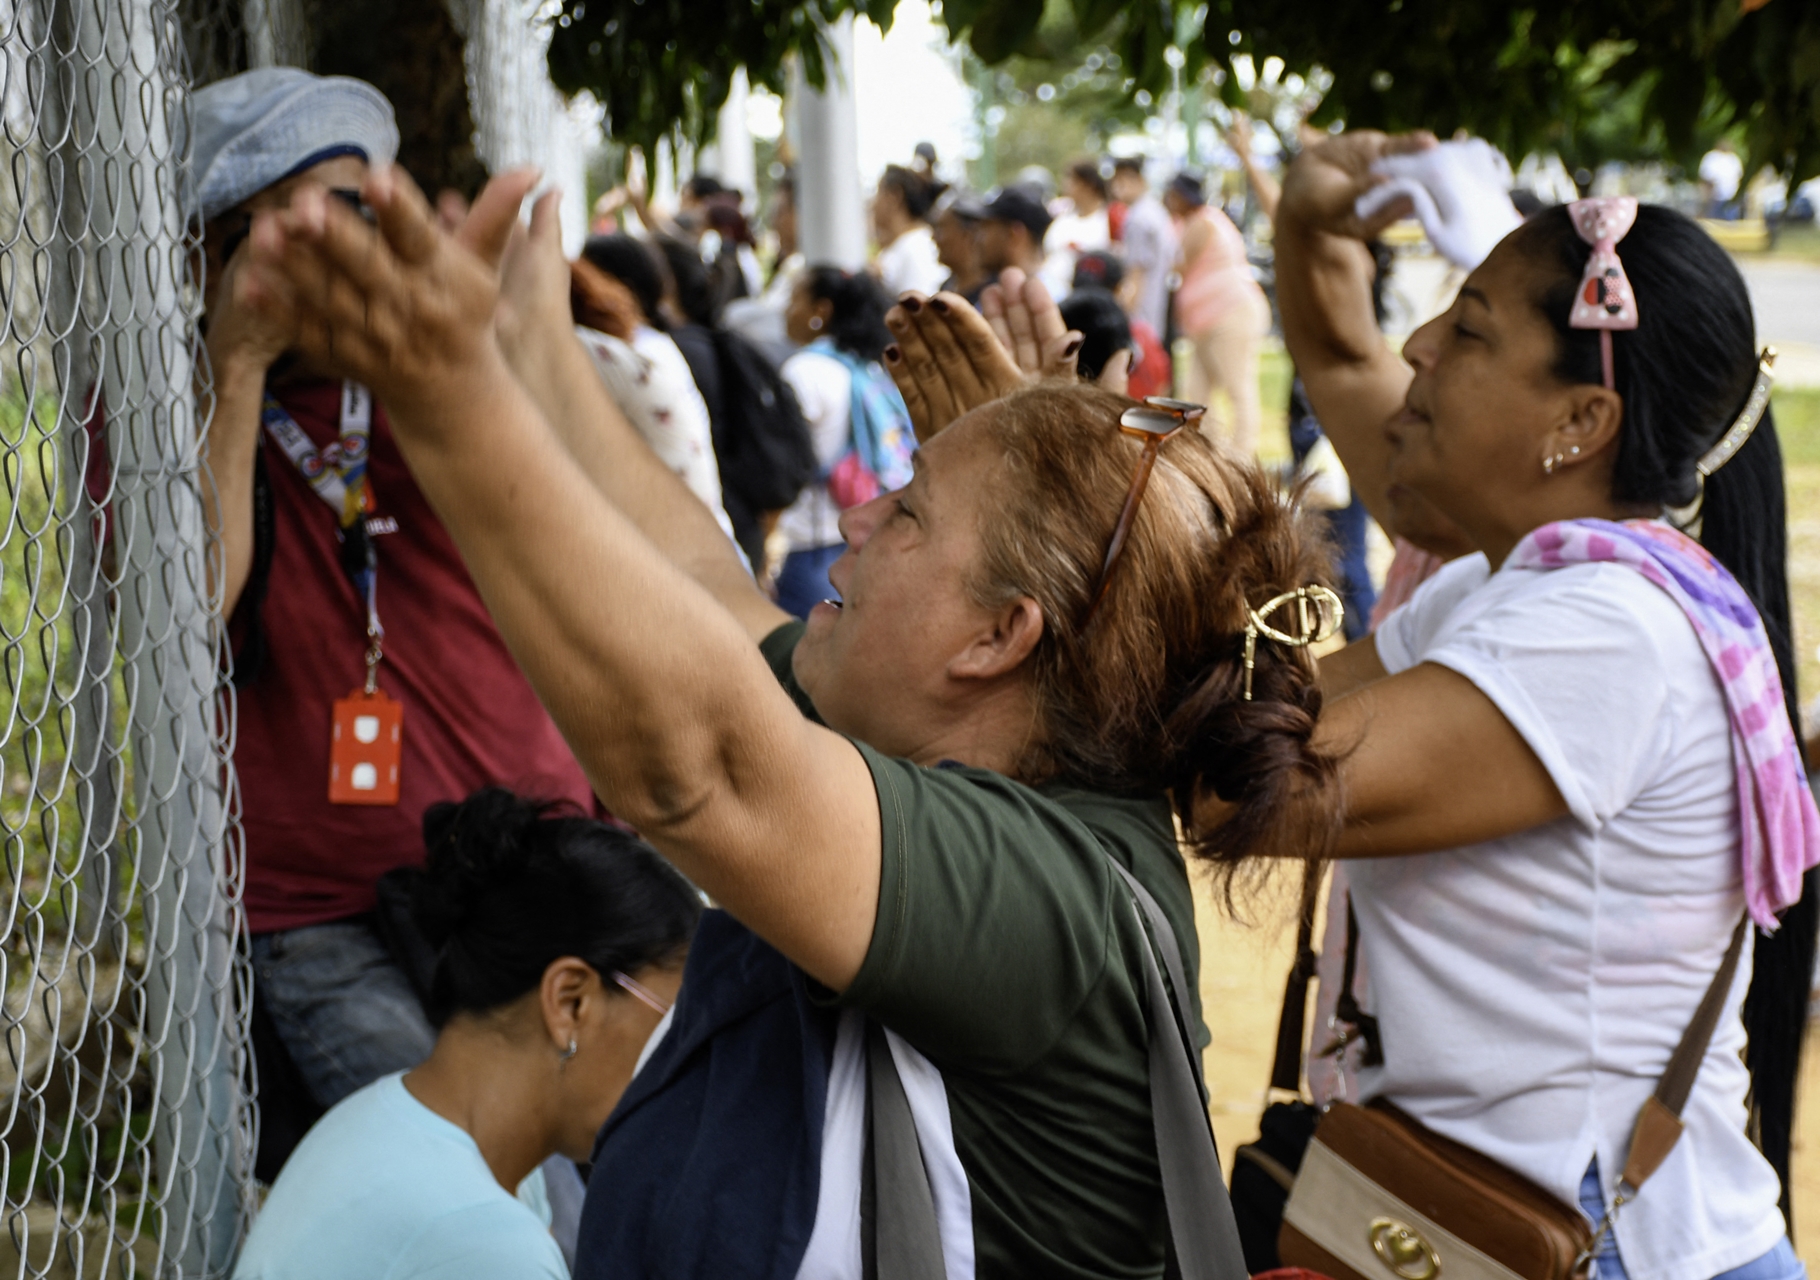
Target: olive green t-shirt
<point>1007,952</point>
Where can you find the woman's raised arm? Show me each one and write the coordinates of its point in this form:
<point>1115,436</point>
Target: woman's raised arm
<point>658,688</point>
<point>1324,273</point>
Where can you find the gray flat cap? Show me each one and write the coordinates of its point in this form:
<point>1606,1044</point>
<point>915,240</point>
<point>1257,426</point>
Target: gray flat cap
<point>260,127</point>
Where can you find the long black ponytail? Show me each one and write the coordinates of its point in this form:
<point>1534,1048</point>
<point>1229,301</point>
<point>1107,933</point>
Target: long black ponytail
<point>1685,374</point>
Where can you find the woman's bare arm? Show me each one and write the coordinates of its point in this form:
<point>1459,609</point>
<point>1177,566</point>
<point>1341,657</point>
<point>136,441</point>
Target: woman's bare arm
<point>658,688</point>
<point>539,342</point>
<point>1324,273</point>
<point>1431,764</point>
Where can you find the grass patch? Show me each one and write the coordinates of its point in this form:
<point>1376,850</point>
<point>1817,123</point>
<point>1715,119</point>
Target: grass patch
<point>1801,243</point>
<point>1798,428</point>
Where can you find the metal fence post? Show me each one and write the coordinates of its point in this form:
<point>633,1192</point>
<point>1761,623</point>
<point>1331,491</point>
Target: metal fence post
<point>193,1011</point>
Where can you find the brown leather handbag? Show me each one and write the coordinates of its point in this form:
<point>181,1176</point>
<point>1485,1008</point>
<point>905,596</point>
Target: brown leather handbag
<point>1378,1197</point>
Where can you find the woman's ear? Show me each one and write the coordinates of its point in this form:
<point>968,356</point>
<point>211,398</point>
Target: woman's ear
<point>1593,418</point>
<point>1002,650</point>
<point>569,985</point>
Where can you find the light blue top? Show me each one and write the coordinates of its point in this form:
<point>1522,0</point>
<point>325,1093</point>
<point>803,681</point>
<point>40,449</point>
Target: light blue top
<point>383,1188</point>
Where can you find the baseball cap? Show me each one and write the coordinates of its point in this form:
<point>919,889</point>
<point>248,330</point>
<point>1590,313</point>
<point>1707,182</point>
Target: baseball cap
<point>262,126</point>
<point>1019,204</point>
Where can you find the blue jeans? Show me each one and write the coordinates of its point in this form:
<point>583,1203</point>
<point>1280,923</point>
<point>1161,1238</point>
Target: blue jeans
<point>802,582</point>
<point>343,1008</point>
<point>1780,1263</point>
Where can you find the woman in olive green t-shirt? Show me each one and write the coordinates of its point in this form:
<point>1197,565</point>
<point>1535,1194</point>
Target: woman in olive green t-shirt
<point>1038,640</point>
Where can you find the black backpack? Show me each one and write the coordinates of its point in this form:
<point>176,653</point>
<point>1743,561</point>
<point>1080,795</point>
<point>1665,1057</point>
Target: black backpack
<point>761,439</point>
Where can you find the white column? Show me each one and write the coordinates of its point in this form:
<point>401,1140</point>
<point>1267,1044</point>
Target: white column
<point>732,159</point>
<point>829,200</point>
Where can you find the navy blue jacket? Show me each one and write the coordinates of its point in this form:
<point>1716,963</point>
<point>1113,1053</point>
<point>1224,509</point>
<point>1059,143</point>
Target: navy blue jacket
<point>711,1164</point>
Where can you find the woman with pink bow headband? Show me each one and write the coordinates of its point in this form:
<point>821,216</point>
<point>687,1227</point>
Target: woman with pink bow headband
<point>1575,772</point>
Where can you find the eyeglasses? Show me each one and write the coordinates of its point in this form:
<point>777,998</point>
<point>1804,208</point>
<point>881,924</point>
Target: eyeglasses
<point>643,994</point>
<point>1155,422</point>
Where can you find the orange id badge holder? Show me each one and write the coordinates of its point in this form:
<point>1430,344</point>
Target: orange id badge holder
<point>365,748</point>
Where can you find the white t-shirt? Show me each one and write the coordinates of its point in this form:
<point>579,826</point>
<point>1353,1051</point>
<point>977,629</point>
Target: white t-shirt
<point>383,1188</point>
<point>909,262</point>
<point>1531,989</point>
<point>1069,236</point>
<point>824,388</point>
<point>650,381</point>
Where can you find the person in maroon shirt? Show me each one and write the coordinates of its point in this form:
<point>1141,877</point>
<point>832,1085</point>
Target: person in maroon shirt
<point>317,519</point>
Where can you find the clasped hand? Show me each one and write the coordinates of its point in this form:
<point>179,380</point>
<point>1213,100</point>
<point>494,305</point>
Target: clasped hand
<point>402,305</point>
<point>949,358</point>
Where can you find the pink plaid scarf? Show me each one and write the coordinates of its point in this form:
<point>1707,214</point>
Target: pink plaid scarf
<point>1781,828</point>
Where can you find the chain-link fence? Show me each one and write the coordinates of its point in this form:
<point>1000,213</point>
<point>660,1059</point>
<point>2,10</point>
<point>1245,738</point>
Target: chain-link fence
<point>125,1127</point>
<point>126,1119</point>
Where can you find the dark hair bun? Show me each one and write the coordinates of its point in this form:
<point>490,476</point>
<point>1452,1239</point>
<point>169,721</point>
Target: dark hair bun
<point>512,885</point>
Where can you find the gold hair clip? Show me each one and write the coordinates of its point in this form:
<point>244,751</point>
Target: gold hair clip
<point>1319,615</point>
<point>1688,518</point>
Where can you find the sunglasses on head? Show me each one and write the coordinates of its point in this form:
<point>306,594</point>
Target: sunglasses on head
<point>1156,421</point>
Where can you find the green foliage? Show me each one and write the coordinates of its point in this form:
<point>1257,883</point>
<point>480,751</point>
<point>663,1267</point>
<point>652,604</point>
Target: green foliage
<point>1608,79</point>
<point>1603,76</point>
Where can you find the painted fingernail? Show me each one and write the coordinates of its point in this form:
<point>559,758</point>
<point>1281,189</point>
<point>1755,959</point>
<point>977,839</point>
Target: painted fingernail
<point>892,354</point>
<point>939,305</point>
<point>911,303</point>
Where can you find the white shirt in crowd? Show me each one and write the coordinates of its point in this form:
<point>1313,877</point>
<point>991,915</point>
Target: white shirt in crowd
<point>1531,989</point>
<point>909,262</point>
<point>1723,171</point>
<point>1069,236</point>
<point>824,388</point>
<point>650,382</point>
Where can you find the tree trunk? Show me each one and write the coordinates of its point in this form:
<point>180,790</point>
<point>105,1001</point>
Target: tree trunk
<point>411,51</point>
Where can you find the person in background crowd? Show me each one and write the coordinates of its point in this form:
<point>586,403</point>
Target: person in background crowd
<point>559,944</point>
<point>1149,240</point>
<point>762,445</point>
<point>658,368</point>
<point>922,816</point>
<point>1149,374</point>
<point>1012,231</point>
<point>346,535</point>
<point>607,319</point>
<point>691,310</point>
<point>760,320</point>
<point>728,250</point>
<point>1219,308</point>
<point>838,317</point>
<point>923,161</point>
<point>958,215</point>
<point>1105,331</point>
<point>1082,228</point>
<point>1721,176</point>
<point>1572,775</point>
<point>900,219</point>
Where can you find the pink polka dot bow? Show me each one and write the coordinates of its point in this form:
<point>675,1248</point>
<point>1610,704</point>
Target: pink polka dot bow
<point>1605,300</point>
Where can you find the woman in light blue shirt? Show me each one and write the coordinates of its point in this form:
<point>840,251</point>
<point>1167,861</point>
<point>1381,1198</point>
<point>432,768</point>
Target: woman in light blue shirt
<point>560,943</point>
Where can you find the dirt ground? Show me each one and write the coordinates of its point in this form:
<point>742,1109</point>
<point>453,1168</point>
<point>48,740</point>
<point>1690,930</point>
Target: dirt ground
<point>1242,972</point>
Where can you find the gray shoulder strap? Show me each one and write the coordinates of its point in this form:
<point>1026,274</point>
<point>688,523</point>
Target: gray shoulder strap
<point>904,1241</point>
<point>1203,1235</point>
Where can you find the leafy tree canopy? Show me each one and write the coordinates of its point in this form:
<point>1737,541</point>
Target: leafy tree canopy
<point>1535,75</point>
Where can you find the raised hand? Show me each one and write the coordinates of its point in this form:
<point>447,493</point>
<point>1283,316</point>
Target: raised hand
<point>946,360</point>
<point>950,359</point>
<point>1029,325</point>
<point>1322,187</point>
<point>402,305</point>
